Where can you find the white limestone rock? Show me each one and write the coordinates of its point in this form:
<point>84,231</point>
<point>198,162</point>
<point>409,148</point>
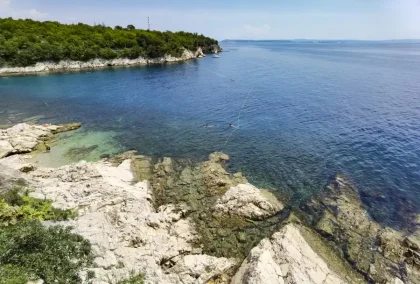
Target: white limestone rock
<point>127,234</point>
<point>22,138</point>
<point>201,268</point>
<point>199,53</point>
<point>5,148</point>
<point>248,201</point>
<point>285,258</point>
<point>67,65</point>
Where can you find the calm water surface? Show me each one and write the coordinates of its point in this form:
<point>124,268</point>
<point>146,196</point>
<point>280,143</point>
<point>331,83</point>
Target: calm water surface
<point>309,111</point>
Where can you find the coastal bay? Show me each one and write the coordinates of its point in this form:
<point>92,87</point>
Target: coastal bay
<point>269,163</point>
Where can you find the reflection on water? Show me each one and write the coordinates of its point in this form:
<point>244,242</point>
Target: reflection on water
<point>315,110</point>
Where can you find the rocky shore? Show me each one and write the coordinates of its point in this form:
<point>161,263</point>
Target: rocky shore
<point>174,221</point>
<point>68,65</point>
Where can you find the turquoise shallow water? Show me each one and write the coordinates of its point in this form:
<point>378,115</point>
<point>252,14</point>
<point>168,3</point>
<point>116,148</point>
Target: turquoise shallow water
<point>313,110</point>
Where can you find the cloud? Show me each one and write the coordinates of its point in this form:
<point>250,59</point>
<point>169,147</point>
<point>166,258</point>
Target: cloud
<point>35,14</point>
<point>258,31</point>
<point>7,9</point>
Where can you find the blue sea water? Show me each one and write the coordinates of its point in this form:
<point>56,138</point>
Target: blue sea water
<point>306,112</point>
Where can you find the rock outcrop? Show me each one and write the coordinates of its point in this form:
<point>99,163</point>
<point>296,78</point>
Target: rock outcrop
<point>126,232</point>
<point>213,49</point>
<point>24,138</point>
<point>199,53</point>
<point>179,222</point>
<point>382,255</point>
<point>216,179</point>
<point>200,185</point>
<point>116,214</point>
<point>286,257</point>
<point>69,65</point>
<point>248,201</point>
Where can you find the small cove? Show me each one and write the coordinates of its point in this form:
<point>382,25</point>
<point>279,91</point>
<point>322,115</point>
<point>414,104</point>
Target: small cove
<point>315,110</point>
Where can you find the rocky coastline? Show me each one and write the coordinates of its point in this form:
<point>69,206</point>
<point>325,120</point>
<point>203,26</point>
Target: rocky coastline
<point>174,221</point>
<point>69,65</point>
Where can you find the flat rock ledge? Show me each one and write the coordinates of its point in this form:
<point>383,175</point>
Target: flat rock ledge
<point>24,138</point>
<point>248,201</point>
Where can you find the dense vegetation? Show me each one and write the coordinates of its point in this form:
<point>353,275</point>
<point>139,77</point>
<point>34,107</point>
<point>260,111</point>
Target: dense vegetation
<point>18,206</point>
<point>28,250</point>
<point>25,42</point>
<point>31,251</point>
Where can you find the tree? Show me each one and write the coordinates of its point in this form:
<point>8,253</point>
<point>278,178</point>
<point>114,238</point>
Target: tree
<point>26,42</point>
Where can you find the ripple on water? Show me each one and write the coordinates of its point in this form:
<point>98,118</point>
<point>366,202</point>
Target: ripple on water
<point>315,110</point>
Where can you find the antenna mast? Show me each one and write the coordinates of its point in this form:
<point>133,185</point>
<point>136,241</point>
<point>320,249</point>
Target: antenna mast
<point>148,23</point>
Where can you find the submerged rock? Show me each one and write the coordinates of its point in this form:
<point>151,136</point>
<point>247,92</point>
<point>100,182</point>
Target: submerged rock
<point>81,152</point>
<point>248,201</point>
<point>216,179</point>
<point>200,185</point>
<point>65,127</point>
<point>382,255</point>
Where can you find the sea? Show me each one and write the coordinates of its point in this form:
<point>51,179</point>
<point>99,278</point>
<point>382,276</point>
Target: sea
<point>291,115</point>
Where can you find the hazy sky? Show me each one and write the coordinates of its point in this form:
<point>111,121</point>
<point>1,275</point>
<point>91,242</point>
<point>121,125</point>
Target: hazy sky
<point>245,19</point>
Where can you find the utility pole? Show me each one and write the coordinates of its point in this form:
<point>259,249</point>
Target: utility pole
<point>148,23</point>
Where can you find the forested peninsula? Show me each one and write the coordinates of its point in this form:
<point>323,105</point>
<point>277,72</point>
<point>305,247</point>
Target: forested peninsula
<point>28,42</point>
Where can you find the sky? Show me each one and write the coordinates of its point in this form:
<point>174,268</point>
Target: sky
<point>238,19</point>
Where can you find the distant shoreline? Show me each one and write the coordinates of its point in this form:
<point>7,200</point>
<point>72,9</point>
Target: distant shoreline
<point>96,64</point>
<point>325,40</point>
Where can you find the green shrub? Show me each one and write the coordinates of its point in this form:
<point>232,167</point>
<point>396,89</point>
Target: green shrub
<point>25,42</point>
<point>15,207</point>
<point>8,214</point>
<point>28,250</point>
<point>13,274</point>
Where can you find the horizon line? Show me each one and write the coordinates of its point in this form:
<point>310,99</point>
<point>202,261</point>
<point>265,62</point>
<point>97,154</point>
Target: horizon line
<point>304,39</point>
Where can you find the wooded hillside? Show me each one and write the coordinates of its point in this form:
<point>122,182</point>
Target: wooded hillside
<point>26,42</point>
